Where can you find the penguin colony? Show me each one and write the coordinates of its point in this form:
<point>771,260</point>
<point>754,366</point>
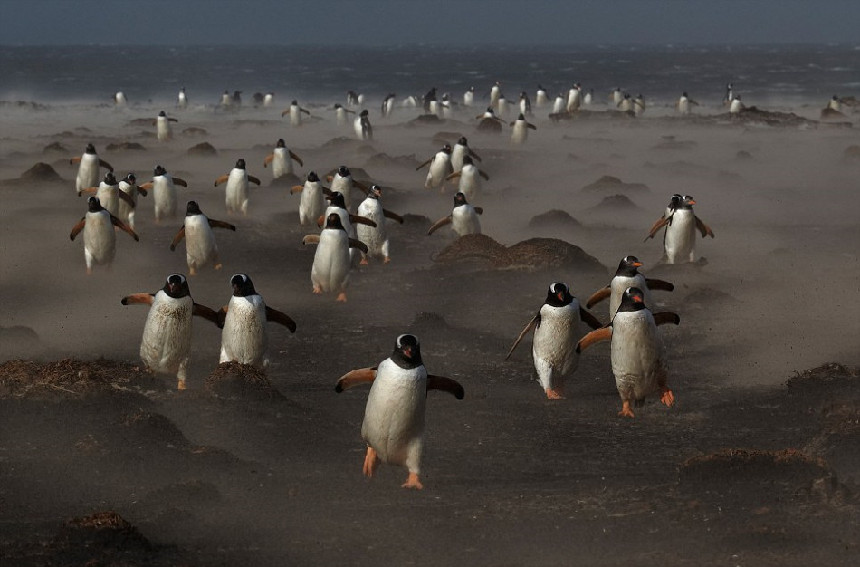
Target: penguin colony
<point>346,221</point>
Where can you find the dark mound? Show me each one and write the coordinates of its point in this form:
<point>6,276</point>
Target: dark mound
<point>202,149</point>
<point>615,203</point>
<point>743,155</point>
<point>609,183</point>
<point>784,119</point>
<point>382,160</point>
<point>851,154</point>
<point>23,104</point>
<point>489,125</point>
<point>194,132</point>
<point>141,122</point>
<point>23,341</point>
<point>554,218</point>
<point>234,380</point>
<point>426,119</point>
<point>343,143</point>
<point>676,145</point>
<point>593,115</point>
<point>125,146</point>
<point>474,247</point>
<point>829,372</point>
<point>148,428</point>
<point>55,147</point>
<point>41,173</point>
<point>429,321</point>
<point>830,114</point>
<point>532,254</point>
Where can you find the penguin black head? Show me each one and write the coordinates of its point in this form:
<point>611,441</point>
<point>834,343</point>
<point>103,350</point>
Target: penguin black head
<point>490,109</point>
<point>363,114</point>
<point>240,163</point>
<point>523,94</point>
<point>684,94</point>
<point>312,177</point>
<point>446,148</point>
<point>242,285</point>
<point>521,116</point>
<point>110,179</point>
<point>281,143</point>
<point>540,88</point>
<point>686,202</point>
<point>629,266</point>
<point>158,171</point>
<point>176,286</point>
<point>463,141</point>
<point>460,199</point>
<point>192,208</point>
<point>294,103</point>
<point>835,97</point>
<point>675,201</point>
<point>94,205</point>
<point>343,171</point>
<point>407,352</point>
<point>163,114</point>
<point>375,192</point>
<point>336,199</point>
<point>90,149</point>
<point>632,300</point>
<point>130,178</point>
<point>337,106</point>
<point>333,221</point>
<point>467,160</point>
<point>558,295</point>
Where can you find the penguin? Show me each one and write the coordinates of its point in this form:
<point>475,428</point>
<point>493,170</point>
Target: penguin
<point>163,187</point>
<point>388,105</point>
<point>627,275</point>
<point>362,127</point>
<point>574,98</point>
<point>268,99</point>
<point>352,98</point>
<point>463,219</point>
<point>109,195</point>
<point>257,97</point>
<point>343,182</point>
<point>520,130</point>
<point>440,168</point>
<point>282,159</point>
<point>226,100</point>
<point>639,105</point>
<point>429,101</point>
<point>375,237</point>
<point>162,127</point>
<point>616,96</point>
<point>312,203</point>
<point>88,168</point>
<point>636,352</point>
<point>236,101</point>
<point>685,104</point>
<point>99,234</point>
<point>166,344</point>
<point>295,111</point>
<point>559,104</point>
<point>446,107</point>
<point>182,99</point>
<point>626,104</point>
<point>347,220</point>
<point>525,103</point>
<point>128,185</point>
<point>236,191</point>
<point>342,114</point>
<point>729,96</point>
<point>330,270</point>
<point>409,102</point>
<point>200,247</point>
<point>119,99</point>
<point>469,97</point>
<point>502,107</point>
<point>495,94</point>
<point>737,106</point>
<point>470,179</point>
<point>588,99</point>
<point>489,122</point>
<point>243,320</point>
<point>393,425</point>
<point>461,149</point>
<point>557,328</point>
<point>835,104</point>
<point>541,97</point>
<point>679,241</point>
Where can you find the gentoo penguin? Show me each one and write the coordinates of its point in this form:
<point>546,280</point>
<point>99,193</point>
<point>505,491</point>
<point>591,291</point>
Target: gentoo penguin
<point>525,103</point>
<point>429,101</point>
<point>489,122</point>
<point>729,96</point>
<point>162,126</point>
<point>588,99</point>
<point>559,105</point>
<point>347,220</point>
<point>163,187</point>
<point>330,270</point>
<point>446,106</point>
<point>226,100</point>
<point>268,99</point>
<point>463,219</point>
<point>636,351</point>
<point>237,99</point>
<point>470,179</point>
<point>835,103</point>
<point>295,111</point>
<point>557,328</point>
<point>128,185</point>
<point>627,275</point>
<point>541,97</point>
<point>440,168</point>
<point>393,426</point>
<point>469,97</point>
<point>375,237</point>
<point>574,98</point>
<point>236,191</point>
<point>109,195</point>
<point>244,338</point>
<point>616,96</point>
<point>502,107</point>
<point>99,234</point>
<point>182,99</point>
<point>362,127</point>
<point>409,102</point>
<point>679,241</point>
<point>343,182</point>
<point>312,203</point>
<point>639,105</point>
<point>342,114</point>
<point>352,98</point>
<point>88,168</point>
<point>461,149</point>
<point>685,104</point>
<point>737,106</point>
<point>281,159</point>
<point>520,130</point>
<point>200,247</point>
<point>166,344</point>
<point>119,99</point>
<point>388,105</point>
<point>495,94</point>
<point>626,104</point>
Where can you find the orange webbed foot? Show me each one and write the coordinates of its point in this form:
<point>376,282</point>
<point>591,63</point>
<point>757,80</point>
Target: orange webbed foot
<point>625,410</point>
<point>387,260</point>
<point>555,394</point>
<point>371,461</point>
<point>317,289</point>
<point>412,482</point>
<point>341,297</point>
<point>363,262</point>
<point>668,398</point>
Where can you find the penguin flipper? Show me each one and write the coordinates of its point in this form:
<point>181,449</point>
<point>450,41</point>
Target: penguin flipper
<point>703,228</point>
<point>255,180</point>
<point>665,317</point>
<point>439,224</point>
<point>311,239</point>
<point>425,163</point>
<point>364,188</point>
<point>598,296</point>
<point>145,187</point>
<point>531,126</point>
<point>127,198</point>
<point>104,164</point>
<point>393,216</point>
<point>659,284</point>
<point>142,191</point>
<point>297,159</point>
<point>146,298</point>
<point>445,384</point>
<point>221,224</point>
<point>589,319</point>
<point>528,328</point>
<point>205,312</point>
<point>88,190</point>
<point>178,238</point>
<point>661,222</point>
<point>78,228</point>
<point>293,189</point>
<point>124,227</point>
<point>454,175</point>
<point>354,378</point>
<point>74,160</point>
<point>221,180</point>
<point>353,243</point>
<point>280,317</point>
<point>483,174</point>
<point>179,181</point>
<point>356,219</point>
<point>479,210</point>
<point>474,155</point>
<point>268,159</point>
<point>596,336</point>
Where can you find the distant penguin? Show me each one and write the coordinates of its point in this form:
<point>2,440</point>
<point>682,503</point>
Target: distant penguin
<point>639,105</point>
<point>616,96</point>
<point>489,122</point>
<point>495,94</point>
<point>469,97</point>
<point>200,247</point>
<point>729,96</point>
<point>430,101</point>
<point>226,100</point>
<point>574,98</point>
<point>109,195</point>
<point>388,105</point>
<point>393,425</point>
<point>362,127</point>
<point>236,101</point>
<point>312,203</point>
<point>375,237</point>
<point>268,99</point>
<point>342,114</point>
<point>588,99</point>
<point>679,241</point>
<point>88,168</point>
<point>636,351</point>
<point>557,328</point>
<point>343,183</point>
<point>128,185</point>
<point>119,99</point>
<point>236,191</point>
<point>737,106</point>
<point>162,127</point>
<point>525,103</point>
<point>520,130</point>
<point>835,104</point>
<point>440,168</point>
<point>331,266</point>
<point>164,196</point>
<point>99,234</point>
<point>685,104</point>
<point>463,218</point>
<point>502,107</point>
<point>165,347</point>
<point>347,220</point>
<point>541,97</point>
<point>244,338</point>
<point>470,179</point>
<point>282,159</point>
<point>182,99</point>
<point>295,111</point>
<point>627,275</point>
<point>460,150</point>
<point>352,98</point>
<point>559,105</point>
<point>626,104</point>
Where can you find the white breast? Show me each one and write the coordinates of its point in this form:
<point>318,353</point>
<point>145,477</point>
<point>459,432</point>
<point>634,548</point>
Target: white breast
<point>88,172</point>
<point>236,191</point>
<point>374,237</point>
<point>244,338</point>
<point>109,197</point>
<point>312,203</point>
<point>554,343</point>
<point>100,237</point>
<point>464,220</point>
<point>164,196</point>
<point>680,239</point>
<point>166,341</point>
<point>470,182</point>
<point>636,353</point>
<point>520,132</point>
<point>621,283</point>
<point>331,265</point>
<point>282,164</point>
<point>200,247</point>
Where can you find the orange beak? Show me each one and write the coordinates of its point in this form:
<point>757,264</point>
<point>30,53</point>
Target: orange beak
<point>637,264</point>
